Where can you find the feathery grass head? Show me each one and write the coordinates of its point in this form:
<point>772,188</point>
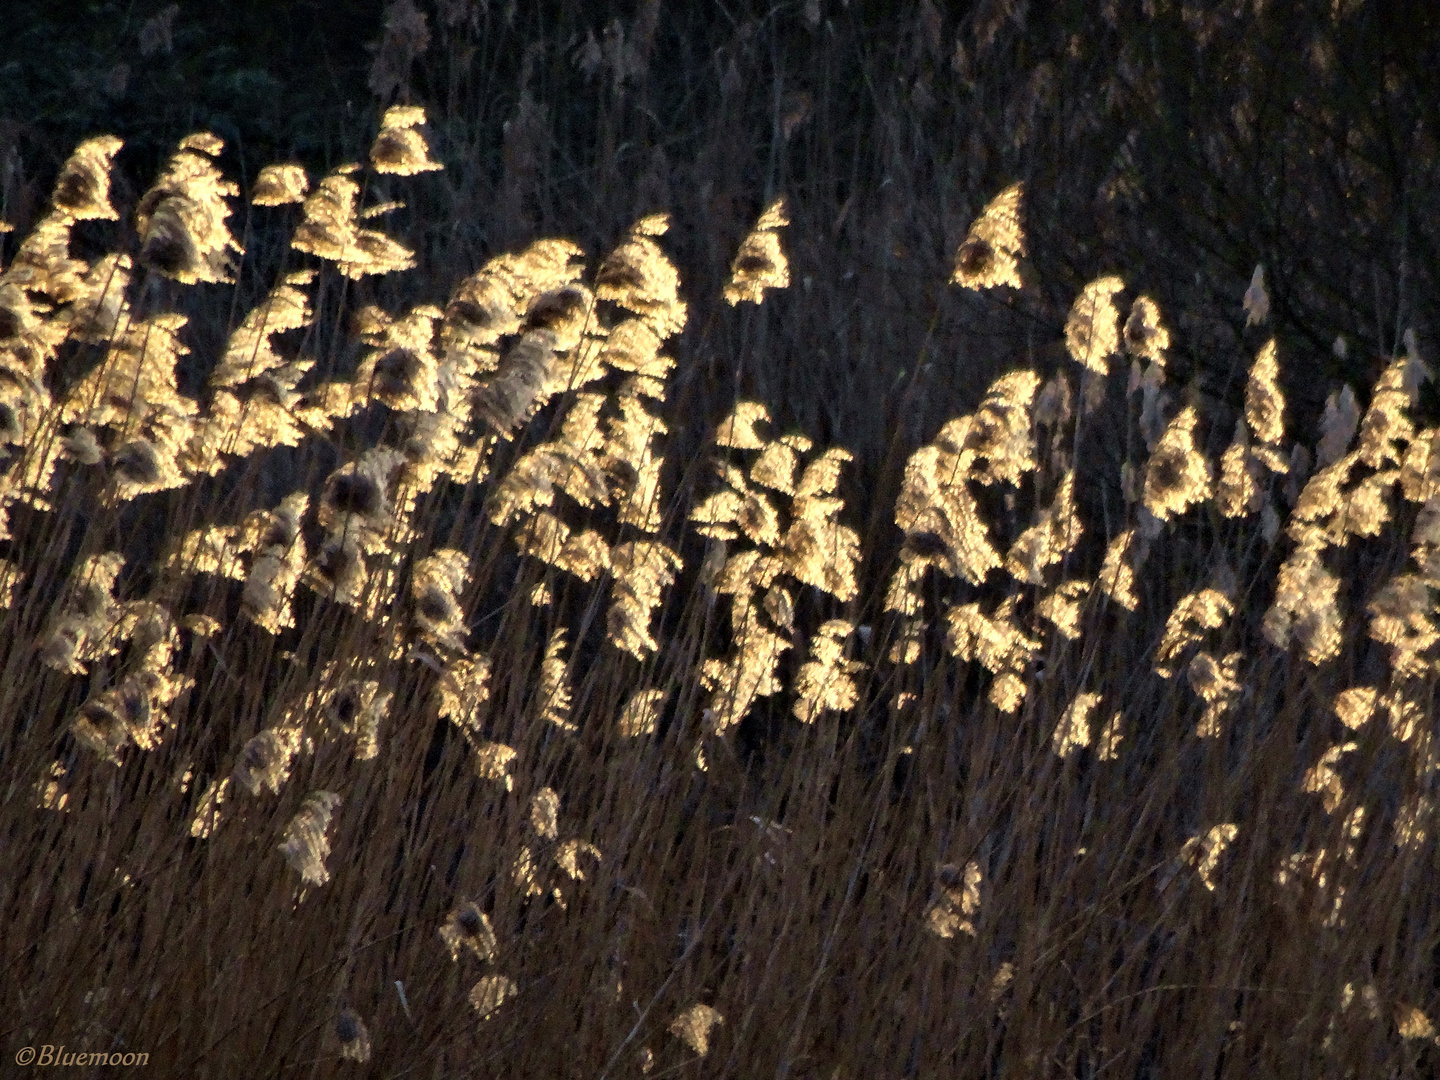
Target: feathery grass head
<point>338,570</point>
<point>279,553</point>
<point>1305,603</point>
<point>997,643</point>
<point>1205,852</point>
<point>990,253</point>
<point>1177,474</point>
<point>439,580</point>
<point>353,1036</point>
<point>1145,335</point>
<point>358,496</point>
<point>266,758</point>
<point>1238,491</point>
<point>748,674</point>
<point>1092,330</point>
<point>1062,607</point>
<point>280,185</point>
<point>402,371</point>
<point>83,628</point>
<point>1217,683</point>
<point>1356,705</point>
<point>181,219</point>
<point>463,687</point>
<point>641,714</point>
<point>99,309</point>
<point>939,515</point>
<point>1117,575</point>
<point>633,345</point>
<point>643,570</point>
<point>760,263</point>
<point>209,809</point>
<point>738,509</point>
<point>564,312</point>
<point>399,148</point>
<point>143,465</point>
<point>491,992</point>
<point>1338,425</point>
<point>631,459</point>
<point>737,431</point>
<point>82,190</point>
<point>491,303</point>
<point>19,318</point>
<point>826,680</point>
<point>638,277</point>
<point>958,902</point>
<point>353,710</point>
<point>553,695</point>
<point>1264,403</point>
<point>331,230</point>
<point>1000,432</point>
<point>1050,539</point>
<point>1196,612</point>
<point>544,813</point>
<point>306,846</point>
<point>508,399</point>
<point>820,552</point>
<point>43,263</point>
<point>250,351</point>
<point>1386,427</point>
<point>467,928</point>
<point>328,228</point>
<point>1073,730</point>
<point>1257,301</point>
<point>694,1025</point>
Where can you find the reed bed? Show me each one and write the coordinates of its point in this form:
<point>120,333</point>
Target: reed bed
<point>427,688</point>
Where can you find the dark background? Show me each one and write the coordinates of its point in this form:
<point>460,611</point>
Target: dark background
<point>1176,144</point>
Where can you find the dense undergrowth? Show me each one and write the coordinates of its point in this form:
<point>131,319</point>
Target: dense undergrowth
<point>431,679</point>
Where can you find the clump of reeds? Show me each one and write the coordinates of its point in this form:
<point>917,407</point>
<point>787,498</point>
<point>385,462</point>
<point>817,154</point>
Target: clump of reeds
<point>500,677</point>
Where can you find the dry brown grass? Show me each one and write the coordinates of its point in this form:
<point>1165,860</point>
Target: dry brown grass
<point>402,690</point>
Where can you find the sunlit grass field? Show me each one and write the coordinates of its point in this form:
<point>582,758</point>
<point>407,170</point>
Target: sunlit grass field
<point>430,688</point>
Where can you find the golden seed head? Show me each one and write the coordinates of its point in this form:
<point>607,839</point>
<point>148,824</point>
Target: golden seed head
<point>1092,331</point>
<point>280,185</point>
<point>1145,336</point>
<point>82,190</point>
<point>989,255</point>
<point>760,263</point>
<point>694,1025</point>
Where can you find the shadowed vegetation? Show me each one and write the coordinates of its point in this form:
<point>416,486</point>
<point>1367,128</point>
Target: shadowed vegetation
<point>824,612</point>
